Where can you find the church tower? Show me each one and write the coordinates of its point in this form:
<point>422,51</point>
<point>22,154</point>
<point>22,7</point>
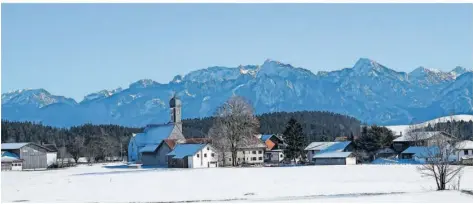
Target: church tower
<point>176,114</point>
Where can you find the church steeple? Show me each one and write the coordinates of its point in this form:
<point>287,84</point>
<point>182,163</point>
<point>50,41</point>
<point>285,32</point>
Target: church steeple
<point>176,114</point>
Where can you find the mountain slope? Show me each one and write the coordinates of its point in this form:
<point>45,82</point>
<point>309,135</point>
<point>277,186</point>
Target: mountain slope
<point>369,91</point>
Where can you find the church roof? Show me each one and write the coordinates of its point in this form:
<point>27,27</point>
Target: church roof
<point>154,134</point>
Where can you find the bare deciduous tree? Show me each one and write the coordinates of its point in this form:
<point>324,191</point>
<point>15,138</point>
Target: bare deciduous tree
<point>76,147</point>
<point>439,160</point>
<point>234,127</point>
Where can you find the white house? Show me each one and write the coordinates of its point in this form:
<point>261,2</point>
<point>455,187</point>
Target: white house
<point>193,156</point>
<point>250,154</point>
<point>465,152</point>
<point>51,154</point>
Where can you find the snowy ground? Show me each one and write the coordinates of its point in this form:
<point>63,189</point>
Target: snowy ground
<point>360,183</point>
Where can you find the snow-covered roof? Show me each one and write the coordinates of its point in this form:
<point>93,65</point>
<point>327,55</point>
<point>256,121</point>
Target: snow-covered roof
<point>336,147</point>
<point>318,145</point>
<point>413,136</point>
<point>332,155</point>
<point>153,134</point>
<point>183,150</point>
<point>9,154</point>
<point>11,146</point>
<point>265,137</point>
<point>465,144</point>
<point>421,151</point>
<point>149,148</point>
<point>9,157</point>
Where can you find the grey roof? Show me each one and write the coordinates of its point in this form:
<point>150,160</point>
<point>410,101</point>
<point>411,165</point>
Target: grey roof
<point>12,146</point>
<point>332,155</point>
<point>50,147</point>
<point>319,145</point>
<point>465,144</point>
<point>416,136</point>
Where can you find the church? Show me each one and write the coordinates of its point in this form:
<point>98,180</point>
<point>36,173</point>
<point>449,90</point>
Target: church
<point>151,147</point>
<point>164,145</point>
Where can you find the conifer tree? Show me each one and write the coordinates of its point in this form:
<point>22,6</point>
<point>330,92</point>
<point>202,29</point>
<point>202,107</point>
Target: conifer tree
<point>295,140</point>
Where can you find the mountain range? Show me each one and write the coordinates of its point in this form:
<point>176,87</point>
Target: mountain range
<point>369,91</point>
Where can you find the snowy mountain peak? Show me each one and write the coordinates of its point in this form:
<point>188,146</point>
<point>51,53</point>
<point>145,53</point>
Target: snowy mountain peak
<point>144,83</point>
<point>36,97</point>
<point>459,71</point>
<point>101,94</point>
<point>364,65</point>
<point>177,79</point>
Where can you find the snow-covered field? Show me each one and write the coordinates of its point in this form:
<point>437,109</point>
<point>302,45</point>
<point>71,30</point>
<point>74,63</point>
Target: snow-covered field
<point>359,183</point>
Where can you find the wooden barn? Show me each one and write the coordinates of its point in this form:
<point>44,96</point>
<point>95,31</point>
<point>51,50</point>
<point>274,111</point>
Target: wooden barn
<point>32,156</point>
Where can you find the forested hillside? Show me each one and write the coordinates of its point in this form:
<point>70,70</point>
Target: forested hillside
<point>317,126</point>
<point>461,129</point>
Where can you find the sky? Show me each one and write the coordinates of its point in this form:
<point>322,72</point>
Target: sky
<point>77,49</point>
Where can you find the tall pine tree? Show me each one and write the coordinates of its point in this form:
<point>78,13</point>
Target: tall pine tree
<point>295,140</point>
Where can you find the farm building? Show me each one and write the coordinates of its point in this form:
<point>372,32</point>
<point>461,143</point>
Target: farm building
<point>192,156</point>
<point>11,162</point>
<point>33,156</point>
<point>420,153</point>
<point>317,148</point>
<point>425,138</point>
<point>465,152</point>
<point>250,154</point>
<point>334,158</point>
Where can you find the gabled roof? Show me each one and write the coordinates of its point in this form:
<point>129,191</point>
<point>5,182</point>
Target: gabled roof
<point>149,148</point>
<point>50,147</point>
<point>332,155</point>
<point>336,147</point>
<point>465,144</point>
<point>153,134</point>
<point>12,146</point>
<point>183,150</point>
<point>318,145</point>
<point>265,137</point>
<point>421,151</point>
<point>171,143</point>
<point>413,136</point>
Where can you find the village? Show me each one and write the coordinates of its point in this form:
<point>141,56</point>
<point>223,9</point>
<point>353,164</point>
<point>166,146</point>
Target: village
<point>165,146</point>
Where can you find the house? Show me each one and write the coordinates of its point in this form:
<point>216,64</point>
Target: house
<point>465,152</point>
<point>32,156</point>
<point>11,162</point>
<point>51,154</point>
<point>420,154</point>
<point>334,158</point>
<point>422,138</point>
<point>193,156</point>
<point>250,154</point>
<point>151,147</point>
<point>274,148</point>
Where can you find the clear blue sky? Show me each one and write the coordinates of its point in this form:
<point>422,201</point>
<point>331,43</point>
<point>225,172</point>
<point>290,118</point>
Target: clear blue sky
<point>74,50</point>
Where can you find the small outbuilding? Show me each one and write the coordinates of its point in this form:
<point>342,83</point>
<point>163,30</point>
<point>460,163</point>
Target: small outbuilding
<point>51,154</point>
<point>334,158</point>
<point>11,162</point>
<point>465,152</point>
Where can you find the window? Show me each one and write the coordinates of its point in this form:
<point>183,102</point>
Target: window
<point>205,155</point>
<point>282,156</point>
<point>198,155</point>
<point>260,158</point>
<point>465,152</point>
<point>253,158</point>
<point>313,152</point>
<point>260,152</point>
<point>238,159</point>
<point>229,159</point>
<point>213,155</point>
<point>254,152</point>
<point>208,148</point>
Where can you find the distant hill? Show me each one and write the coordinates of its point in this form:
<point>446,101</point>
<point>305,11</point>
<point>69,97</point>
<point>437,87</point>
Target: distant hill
<point>397,129</point>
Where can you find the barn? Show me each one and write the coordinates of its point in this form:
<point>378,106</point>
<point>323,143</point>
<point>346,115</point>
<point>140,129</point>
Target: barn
<point>334,158</point>
<point>33,156</point>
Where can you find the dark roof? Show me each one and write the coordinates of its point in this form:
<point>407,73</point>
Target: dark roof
<point>13,146</point>
<point>51,147</point>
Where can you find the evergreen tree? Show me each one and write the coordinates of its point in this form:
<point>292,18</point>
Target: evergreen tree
<point>295,140</point>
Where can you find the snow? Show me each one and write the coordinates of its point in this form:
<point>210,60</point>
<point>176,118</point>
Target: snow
<point>404,128</point>
<point>316,183</point>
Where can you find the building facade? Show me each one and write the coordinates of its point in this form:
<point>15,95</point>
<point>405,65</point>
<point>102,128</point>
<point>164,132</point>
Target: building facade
<point>32,156</point>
